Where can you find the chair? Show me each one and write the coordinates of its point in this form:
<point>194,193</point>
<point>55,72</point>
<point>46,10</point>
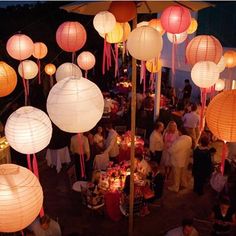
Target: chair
<point>141,132</point>
<point>120,129</point>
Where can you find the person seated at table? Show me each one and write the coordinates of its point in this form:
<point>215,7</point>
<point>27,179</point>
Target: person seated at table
<point>98,139</point>
<point>141,165</point>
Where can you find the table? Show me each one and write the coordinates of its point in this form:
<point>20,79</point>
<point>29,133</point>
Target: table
<point>5,155</point>
<point>55,157</point>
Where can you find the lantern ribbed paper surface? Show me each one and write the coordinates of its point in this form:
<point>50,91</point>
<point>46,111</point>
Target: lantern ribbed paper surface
<point>144,43</point>
<point>21,197</point>
<point>28,69</point>
<point>40,50</point>
<point>180,38</point>
<point>8,79</point>
<point>28,130</point>
<point>67,70</point>
<point>220,85</point>
<point>75,104</point>
<point>221,64</point>
<point>142,23</point>
<point>221,116</point>
<point>204,48</point>
<point>116,35</point>
<point>86,60</point>
<point>20,46</point>
<point>193,26</point>
<point>230,58</point>
<point>50,69</point>
<point>156,24</point>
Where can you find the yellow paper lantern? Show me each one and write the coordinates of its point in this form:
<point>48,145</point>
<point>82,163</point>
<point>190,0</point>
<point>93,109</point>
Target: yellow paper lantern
<point>50,69</point>
<point>40,50</point>
<point>28,130</point>
<point>230,58</point>
<point>86,60</point>
<point>116,35</point>
<point>177,38</point>
<point>156,24</point>
<point>221,116</point>
<point>28,69</point>
<point>8,79</point>
<point>21,197</point>
<point>205,74</point>
<point>220,85</point>
<point>221,64</point>
<point>154,65</point>
<point>126,31</point>
<point>193,26</point>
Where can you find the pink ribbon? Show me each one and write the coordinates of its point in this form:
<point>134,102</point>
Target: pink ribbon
<point>143,75</point>
<point>223,156</point>
<point>82,166</point>
<point>185,47</point>
<point>212,92</point>
<point>203,101</point>
<point>39,68</point>
<point>35,166</point>
<point>73,57</point>
<point>86,74</point>
<point>29,162</point>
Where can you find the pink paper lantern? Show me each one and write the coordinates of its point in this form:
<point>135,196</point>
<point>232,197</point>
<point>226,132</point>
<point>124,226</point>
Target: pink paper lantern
<point>86,60</point>
<point>71,36</point>
<point>20,47</point>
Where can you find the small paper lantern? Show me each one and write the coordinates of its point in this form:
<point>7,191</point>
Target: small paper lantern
<point>221,64</point>
<point>21,197</point>
<point>28,69</point>
<point>193,26</point>
<point>86,60</point>
<point>40,50</point>
<point>140,43</point>
<point>156,24</point>
<point>142,23</point>
<point>28,130</point>
<point>8,79</point>
<point>180,38</point>
<point>123,10</point>
<point>71,36</point>
<point>175,19</point>
<point>204,48</point>
<point>230,58</point>
<point>67,70</point>
<point>50,69</point>
<point>220,85</point>
<point>75,104</point>
<point>126,31</point>
<point>220,116</point>
<point>104,22</point>
<point>154,65</point>
<point>205,74</point>
<point>20,47</point>
<point>116,35</point>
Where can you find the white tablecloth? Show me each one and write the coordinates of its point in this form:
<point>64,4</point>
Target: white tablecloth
<point>57,157</point>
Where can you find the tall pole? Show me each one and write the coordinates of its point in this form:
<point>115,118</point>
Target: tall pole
<point>157,98</point>
<point>132,150</point>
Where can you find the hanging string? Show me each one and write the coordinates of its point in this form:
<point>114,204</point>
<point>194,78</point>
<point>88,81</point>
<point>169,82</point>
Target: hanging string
<point>35,166</point>
<point>223,156</point>
<point>82,165</point>
<point>29,162</point>
<point>152,81</point>
<point>24,83</point>
<point>123,43</point>
<point>212,94</point>
<point>51,81</point>
<point>22,232</point>
<point>39,68</point>
<point>116,60</point>
<point>174,47</point>
<point>86,74</point>
<point>73,57</point>
<point>203,102</point>
<point>185,47</point>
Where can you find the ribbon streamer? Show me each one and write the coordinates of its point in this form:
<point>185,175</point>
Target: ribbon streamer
<point>203,102</point>
<point>39,68</point>
<point>35,166</point>
<point>223,156</point>
<point>86,74</point>
<point>29,162</point>
<point>82,166</point>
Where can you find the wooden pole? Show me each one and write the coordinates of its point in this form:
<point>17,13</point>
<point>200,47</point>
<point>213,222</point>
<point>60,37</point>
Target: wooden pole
<point>157,100</point>
<point>132,150</point>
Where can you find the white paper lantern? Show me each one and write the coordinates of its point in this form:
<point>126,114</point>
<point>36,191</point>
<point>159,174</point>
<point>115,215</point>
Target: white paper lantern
<point>205,74</point>
<point>220,85</point>
<point>180,38</point>
<point>67,70</point>
<point>144,43</point>
<point>86,60</point>
<point>21,197</point>
<point>28,130</point>
<point>104,22</point>
<point>221,64</point>
<point>75,104</point>
<point>28,69</point>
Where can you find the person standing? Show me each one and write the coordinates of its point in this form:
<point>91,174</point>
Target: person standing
<point>187,91</point>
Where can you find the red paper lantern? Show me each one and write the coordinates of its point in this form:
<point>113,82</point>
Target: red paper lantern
<point>204,48</point>
<point>176,19</point>
<point>123,11</point>
<point>71,36</point>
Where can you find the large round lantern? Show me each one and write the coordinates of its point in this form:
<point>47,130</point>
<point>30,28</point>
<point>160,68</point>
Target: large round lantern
<point>193,26</point>
<point>221,64</point>
<point>142,23</point>
<point>123,10</point>
<point>50,69</point>
<point>205,74</point>
<point>8,79</point>
<point>221,116</point>
<point>219,85</point>
<point>40,50</point>
<point>177,38</point>
<point>156,24</point>
<point>86,60</point>
<point>116,35</point>
<point>21,197</point>
<point>126,30</point>
<point>75,104</point>
<point>154,65</point>
<point>104,22</point>
<point>28,69</point>
<point>71,36</point>
<point>20,47</point>
<point>230,58</point>
<point>28,130</point>
<point>140,43</point>
<point>67,70</point>
<point>176,19</point>
<point>204,48</point>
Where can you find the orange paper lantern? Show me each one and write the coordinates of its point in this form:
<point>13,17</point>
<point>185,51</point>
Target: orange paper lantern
<point>8,79</point>
<point>221,116</point>
<point>86,60</point>
<point>156,24</point>
<point>230,58</point>
<point>123,11</point>
<point>40,50</point>
<point>154,65</point>
<point>204,48</point>
<point>193,26</point>
<point>50,69</point>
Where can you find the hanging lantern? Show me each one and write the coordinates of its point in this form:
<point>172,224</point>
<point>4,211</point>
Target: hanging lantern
<point>67,70</point>
<point>140,43</point>
<point>156,24</point>
<point>30,69</point>
<point>154,65</point>
<point>8,79</point>
<point>50,69</point>
<point>123,10</point>
<point>81,110</point>
<point>193,26</point>
<point>21,197</point>
<point>86,60</point>
<point>177,38</point>
<point>175,19</point>
<point>220,85</point>
<point>116,35</point>
<point>205,74</point>
<point>221,64</point>
<point>71,36</point>
<point>142,23</point>
<point>230,58</point>
<point>126,31</point>
<point>20,47</point>
<point>204,48</point>
<point>40,50</point>
<point>28,130</point>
